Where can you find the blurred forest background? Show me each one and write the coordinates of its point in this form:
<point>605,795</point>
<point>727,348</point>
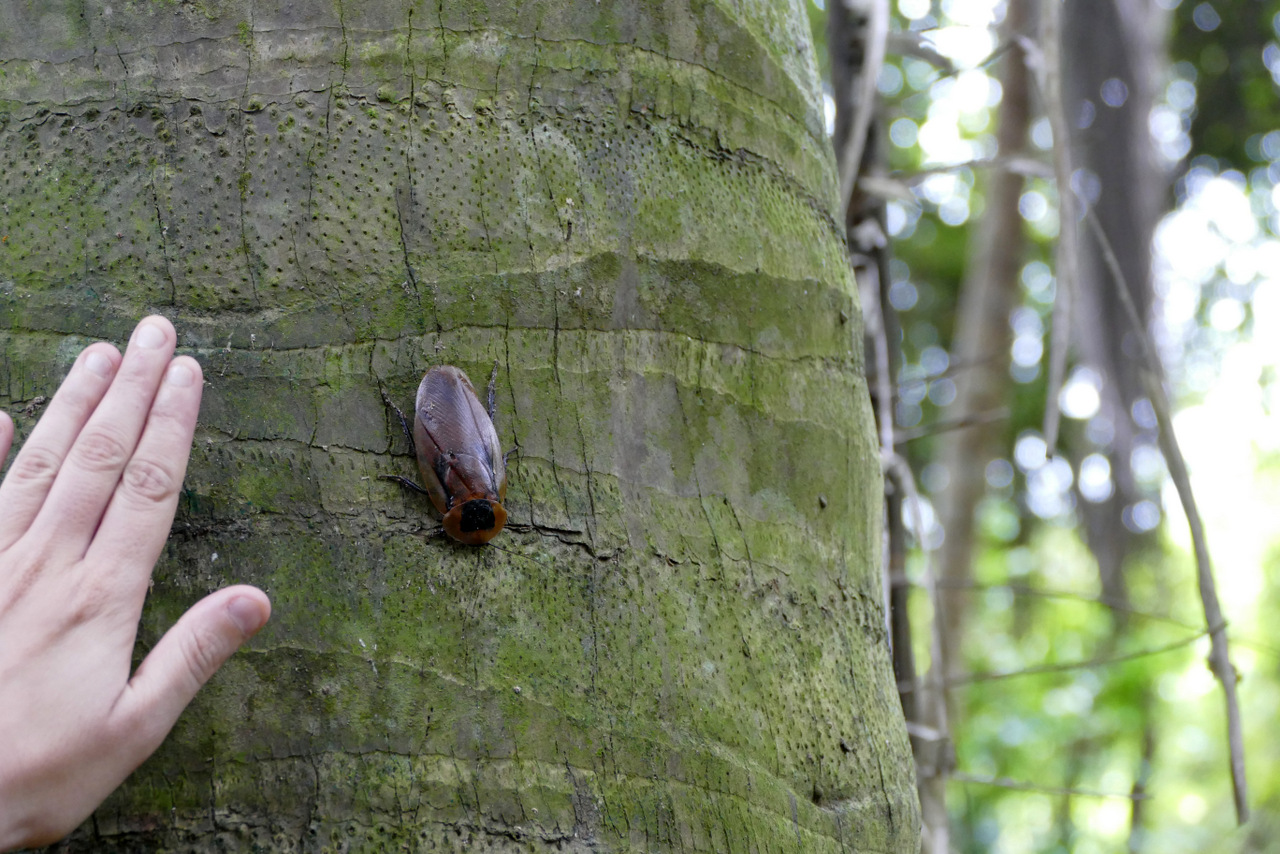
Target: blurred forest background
<point>1051,639</point>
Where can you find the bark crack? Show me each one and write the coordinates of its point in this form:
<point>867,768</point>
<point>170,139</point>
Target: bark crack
<point>164,240</point>
<point>345,62</point>
<point>444,41</point>
<point>533,136</point>
<point>515,410</point>
<point>590,476</point>
<point>412,279</point>
<point>488,240</point>
<point>409,151</point>
<point>243,183</point>
<point>697,481</point>
<point>124,83</point>
<point>555,369</point>
<point>312,801</point>
<point>746,546</point>
<point>297,254</point>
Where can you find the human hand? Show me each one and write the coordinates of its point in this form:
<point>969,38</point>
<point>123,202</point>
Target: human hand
<point>84,513</point>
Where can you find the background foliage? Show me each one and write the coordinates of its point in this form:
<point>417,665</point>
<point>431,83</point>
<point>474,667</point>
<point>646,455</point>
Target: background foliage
<point>1128,749</point>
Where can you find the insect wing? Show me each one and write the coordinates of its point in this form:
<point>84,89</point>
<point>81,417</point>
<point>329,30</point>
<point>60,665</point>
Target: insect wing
<point>453,431</point>
<point>428,454</point>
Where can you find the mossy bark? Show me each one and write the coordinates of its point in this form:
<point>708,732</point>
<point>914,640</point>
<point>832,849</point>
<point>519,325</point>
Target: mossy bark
<point>628,206</point>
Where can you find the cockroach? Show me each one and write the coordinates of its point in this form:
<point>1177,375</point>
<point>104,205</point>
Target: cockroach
<point>458,454</point>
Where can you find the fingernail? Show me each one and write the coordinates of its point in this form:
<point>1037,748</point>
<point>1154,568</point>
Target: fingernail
<point>180,375</point>
<point>98,364</point>
<point>150,336</point>
<point>246,614</point>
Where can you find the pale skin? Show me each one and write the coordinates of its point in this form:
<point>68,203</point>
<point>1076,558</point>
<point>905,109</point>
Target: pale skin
<point>85,509</point>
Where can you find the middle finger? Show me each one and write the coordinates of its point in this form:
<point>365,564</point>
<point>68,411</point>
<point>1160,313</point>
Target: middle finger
<point>91,471</point>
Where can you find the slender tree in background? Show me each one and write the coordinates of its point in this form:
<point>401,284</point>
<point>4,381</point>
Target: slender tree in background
<point>981,337</point>
<point>1108,80</point>
<point>1105,59</point>
<point>631,210</point>
<point>1113,61</point>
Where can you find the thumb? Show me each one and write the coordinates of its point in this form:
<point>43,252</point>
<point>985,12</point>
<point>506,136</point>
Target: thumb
<point>185,658</point>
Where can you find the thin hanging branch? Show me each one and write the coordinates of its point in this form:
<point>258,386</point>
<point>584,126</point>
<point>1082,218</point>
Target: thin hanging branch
<point>1103,601</point>
<point>895,546</point>
<point>865,98</point>
<point>1047,61</point>
<point>931,743</point>
<point>1219,654</point>
<point>1019,785</point>
<point>897,467</point>
<point>857,30</point>
<point>1068,666</point>
<point>1141,780</point>
<point>978,419</point>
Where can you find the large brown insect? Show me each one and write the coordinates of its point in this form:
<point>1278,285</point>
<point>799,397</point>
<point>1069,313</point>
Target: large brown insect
<point>458,454</point>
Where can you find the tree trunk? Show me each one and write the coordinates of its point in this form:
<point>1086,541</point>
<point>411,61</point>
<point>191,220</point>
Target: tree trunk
<point>629,207</point>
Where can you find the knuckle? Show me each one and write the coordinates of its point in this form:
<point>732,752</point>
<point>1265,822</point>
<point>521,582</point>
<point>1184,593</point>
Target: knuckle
<point>35,465</point>
<point>101,450</point>
<point>202,653</point>
<point>92,598</point>
<point>40,828</point>
<point>149,480</point>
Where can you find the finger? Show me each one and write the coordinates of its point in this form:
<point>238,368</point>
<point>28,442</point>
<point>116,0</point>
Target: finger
<point>93,466</point>
<point>137,520</point>
<point>6,436</point>
<point>184,660</point>
<point>29,479</point>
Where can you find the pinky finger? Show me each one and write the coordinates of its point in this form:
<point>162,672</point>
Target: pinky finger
<point>6,436</point>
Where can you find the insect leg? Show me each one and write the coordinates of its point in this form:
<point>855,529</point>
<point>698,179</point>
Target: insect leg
<point>408,434</point>
<point>404,425</point>
<point>405,482</point>
<point>493,402</point>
